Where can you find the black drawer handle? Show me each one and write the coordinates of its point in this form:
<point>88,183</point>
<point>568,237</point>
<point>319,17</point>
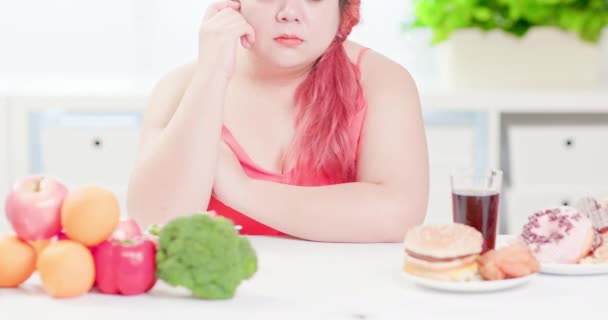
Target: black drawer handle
<point>566,203</point>
<point>97,143</point>
<point>569,143</point>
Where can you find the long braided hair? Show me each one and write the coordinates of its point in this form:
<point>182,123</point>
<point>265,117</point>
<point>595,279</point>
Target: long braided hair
<point>327,100</point>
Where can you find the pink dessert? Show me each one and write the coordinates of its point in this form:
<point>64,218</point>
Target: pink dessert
<point>560,235</point>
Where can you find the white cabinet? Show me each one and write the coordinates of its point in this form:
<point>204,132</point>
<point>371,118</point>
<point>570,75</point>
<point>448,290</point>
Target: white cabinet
<point>3,161</point>
<point>552,159</point>
<point>80,141</point>
<point>552,147</point>
<point>3,144</point>
<point>557,149</point>
<point>85,148</point>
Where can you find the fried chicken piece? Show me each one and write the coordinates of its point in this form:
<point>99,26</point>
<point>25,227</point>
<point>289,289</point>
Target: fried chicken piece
<point>488,268</point>
<point>513,261</point>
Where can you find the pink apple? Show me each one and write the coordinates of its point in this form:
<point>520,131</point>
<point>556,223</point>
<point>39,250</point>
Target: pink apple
<point>33,207</point>
<point>127,229</point>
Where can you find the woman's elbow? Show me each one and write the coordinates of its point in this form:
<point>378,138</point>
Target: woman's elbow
<point>406,215</point>
<point>142,204</point>
<point>136,206</point>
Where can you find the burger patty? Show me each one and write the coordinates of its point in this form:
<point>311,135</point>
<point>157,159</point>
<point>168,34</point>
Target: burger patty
<point>431,259</point>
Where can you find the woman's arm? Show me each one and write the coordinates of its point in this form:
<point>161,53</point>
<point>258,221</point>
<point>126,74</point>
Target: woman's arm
<point>392,190</point>
<point>177,155</point>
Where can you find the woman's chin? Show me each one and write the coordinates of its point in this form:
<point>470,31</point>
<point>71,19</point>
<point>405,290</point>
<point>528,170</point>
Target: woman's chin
<point>290,61</point>
<point>284,58</point>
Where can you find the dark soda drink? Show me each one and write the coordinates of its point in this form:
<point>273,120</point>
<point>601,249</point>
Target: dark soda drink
<point>478,209</point>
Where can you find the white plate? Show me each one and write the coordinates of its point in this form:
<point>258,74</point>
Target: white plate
<point>574,269</point>
<point>471,286</point>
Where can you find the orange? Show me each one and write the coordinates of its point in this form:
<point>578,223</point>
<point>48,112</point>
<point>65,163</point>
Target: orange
<point>89,215</point>
<point>17,261</point>
<point>67,269</point>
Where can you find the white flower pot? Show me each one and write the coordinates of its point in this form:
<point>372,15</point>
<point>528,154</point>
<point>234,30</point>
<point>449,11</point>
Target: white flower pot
<point>544,58</point>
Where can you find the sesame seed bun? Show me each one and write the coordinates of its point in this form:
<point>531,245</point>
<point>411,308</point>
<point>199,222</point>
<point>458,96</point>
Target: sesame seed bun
<point>443,241</point>
<point>443,252</point>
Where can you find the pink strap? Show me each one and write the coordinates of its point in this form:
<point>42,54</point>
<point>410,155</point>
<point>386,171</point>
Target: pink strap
<point>240,153</point>
<point>234,145</point>
<point>238,150</point>
<point>360,57</point>
<point>359,119</point>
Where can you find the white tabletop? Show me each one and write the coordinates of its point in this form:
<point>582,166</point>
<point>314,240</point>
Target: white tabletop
<point>307,280</point>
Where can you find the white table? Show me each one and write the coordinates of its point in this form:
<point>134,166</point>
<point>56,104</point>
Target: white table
<point>306,280</point>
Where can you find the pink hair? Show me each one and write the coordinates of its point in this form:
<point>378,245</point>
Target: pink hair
<point>327,100</point>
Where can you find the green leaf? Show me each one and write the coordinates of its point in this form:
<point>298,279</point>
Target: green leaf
<point>587,18</point>
<point>482,14</point>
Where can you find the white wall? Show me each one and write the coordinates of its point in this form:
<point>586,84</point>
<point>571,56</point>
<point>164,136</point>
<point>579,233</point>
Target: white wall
<point>123,46</point>
<point>66,44</point>
<point>117,46</point>
<point>167,35</point>
<point>381,29</point>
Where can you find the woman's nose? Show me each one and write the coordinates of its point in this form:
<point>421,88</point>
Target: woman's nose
<point>288,13</point>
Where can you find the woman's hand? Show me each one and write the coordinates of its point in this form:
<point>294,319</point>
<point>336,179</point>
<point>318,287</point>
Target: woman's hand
<point>230,179</point>
<point>220,31</point>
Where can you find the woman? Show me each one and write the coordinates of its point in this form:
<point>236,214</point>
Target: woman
<point>286,128</point>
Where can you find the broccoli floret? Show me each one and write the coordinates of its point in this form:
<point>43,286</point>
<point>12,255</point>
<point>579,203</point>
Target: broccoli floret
<point>206,255</point>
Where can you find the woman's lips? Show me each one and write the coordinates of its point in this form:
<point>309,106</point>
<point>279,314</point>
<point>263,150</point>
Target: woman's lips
<point>288,40</point>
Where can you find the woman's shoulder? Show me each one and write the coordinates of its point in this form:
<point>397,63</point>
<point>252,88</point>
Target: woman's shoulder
<point>166,94</point>
<point>175,80</point>
<point>379,74</point>
<point>178,76</point>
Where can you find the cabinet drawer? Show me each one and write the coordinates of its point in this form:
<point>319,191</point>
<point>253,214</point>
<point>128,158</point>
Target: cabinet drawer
<point>85,148</point>
<point>545,153</point>
<point>522,203</point>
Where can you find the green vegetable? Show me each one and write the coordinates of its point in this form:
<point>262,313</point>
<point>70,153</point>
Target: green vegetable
<point>587,18</point>
<point>206,255</point>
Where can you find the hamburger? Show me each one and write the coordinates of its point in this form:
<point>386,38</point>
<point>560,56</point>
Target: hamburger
<point>445,252</point>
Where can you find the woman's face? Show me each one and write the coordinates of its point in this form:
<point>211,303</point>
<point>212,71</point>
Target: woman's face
<point>292,32</point>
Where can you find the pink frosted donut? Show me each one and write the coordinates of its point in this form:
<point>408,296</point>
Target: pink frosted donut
<point>560,235</point>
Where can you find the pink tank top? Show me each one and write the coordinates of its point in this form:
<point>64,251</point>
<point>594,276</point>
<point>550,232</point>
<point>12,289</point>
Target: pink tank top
<point>249,226</point>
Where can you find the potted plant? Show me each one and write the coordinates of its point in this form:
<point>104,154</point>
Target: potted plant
<point>516,43</point>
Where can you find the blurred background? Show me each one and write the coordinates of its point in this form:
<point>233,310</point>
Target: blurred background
<point>529,97</point>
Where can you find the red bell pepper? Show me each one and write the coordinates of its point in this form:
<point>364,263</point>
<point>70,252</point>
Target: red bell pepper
<point>125,267</point>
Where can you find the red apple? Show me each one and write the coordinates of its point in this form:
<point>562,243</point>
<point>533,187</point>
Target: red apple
<point>33,207</point>
<point>127,229</point>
